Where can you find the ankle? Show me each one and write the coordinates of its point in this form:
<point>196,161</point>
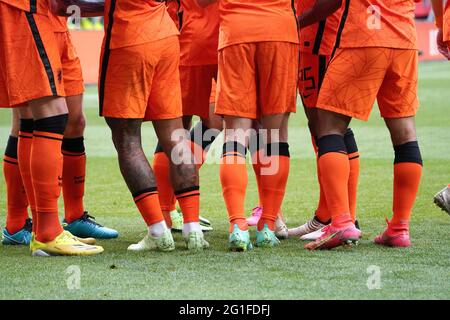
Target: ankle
<point>191,227</point>
<point>342,221</point>
<point>263,221</point>
<point>157,229</point>
<point>241,223</point>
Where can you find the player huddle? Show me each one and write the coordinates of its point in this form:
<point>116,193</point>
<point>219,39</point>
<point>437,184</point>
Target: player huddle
<point>237,64</point>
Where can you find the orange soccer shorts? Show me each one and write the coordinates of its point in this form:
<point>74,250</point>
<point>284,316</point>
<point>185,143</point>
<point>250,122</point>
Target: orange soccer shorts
<point>196,89</point>
<point>311,73</point>
<point>30,65</point>
<point>141,81</point>
<point>71,66</point>
<point>257,79</point>
<point>356,77</point>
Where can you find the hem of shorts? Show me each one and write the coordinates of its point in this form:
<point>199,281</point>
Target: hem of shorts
<point>162,117</point>
<point>234,114</point>
<point>251,115</point>
<point>198,114</point>
<point>25,100</point>
<point>401,115</point>
<point>74,92</point>
<point>343,112</point>
<point>254,41</point>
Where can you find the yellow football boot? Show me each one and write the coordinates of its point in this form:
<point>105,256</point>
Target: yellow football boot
<point>63,245</point>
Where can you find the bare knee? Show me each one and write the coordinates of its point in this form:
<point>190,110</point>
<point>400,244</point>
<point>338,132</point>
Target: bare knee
<point>75,125</point>
<point>402,130</point>
<point>125,133</point>
<point>330,123</point>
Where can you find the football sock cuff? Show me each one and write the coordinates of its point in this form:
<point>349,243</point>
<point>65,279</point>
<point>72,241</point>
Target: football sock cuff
<point>278,149</point>
<point>350,142</point>
<point>73,145</point>
<point>408,152</point>
<point>26,125</point>
<point>11,147</point>
<point>331,143</point>
<point>55,124</point>
<point>234,148</point>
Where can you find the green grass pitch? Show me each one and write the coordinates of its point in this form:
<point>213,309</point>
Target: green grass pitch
<point>287,272</point>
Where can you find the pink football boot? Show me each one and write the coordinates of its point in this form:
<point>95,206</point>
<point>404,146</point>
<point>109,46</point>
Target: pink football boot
<point>334,237</point>
<point>256,215</point>
<point>394,236</point>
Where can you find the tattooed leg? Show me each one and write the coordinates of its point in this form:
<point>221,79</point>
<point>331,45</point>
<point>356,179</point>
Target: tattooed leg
<point>174,141</point>
<point>134,166</point>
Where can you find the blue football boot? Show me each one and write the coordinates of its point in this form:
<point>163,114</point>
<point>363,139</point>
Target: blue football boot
<point>86,227</point>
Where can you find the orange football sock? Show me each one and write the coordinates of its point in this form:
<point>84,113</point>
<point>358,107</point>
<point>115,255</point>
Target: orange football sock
<point>353,183</point>
<point>147,202</point>
<point>74,172</point>
<point>255,145</point>
<point>17,202</point>
<point>24,157</point>
<point>274,178</point>
<point>46,174</point>
<point>322,212</point>
<point>189,201</point>
<point>234,179</point>
<point>161,170</point>
<point>334,171</point>
<point>407,174</point>
<point>353,157</point>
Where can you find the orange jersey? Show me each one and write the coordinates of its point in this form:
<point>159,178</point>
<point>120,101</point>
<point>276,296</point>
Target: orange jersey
<point>378,23</point>
<point>173,8</point>
<point>245,21</point>
<point>446,22</point>
<point>33,6</point>
<point>59,23</point>
<point>318,38</point>
<point>199,36</point>
<point>133,22</point>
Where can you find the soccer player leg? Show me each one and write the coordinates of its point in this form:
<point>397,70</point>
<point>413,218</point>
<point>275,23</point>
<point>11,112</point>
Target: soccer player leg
<point>50,118</point>
<point>234,180</point>
<point>311,73</point>
<point>26,126</point>
<point>184,178</point>
<point>342,97</point>
<point>399,117</point>
<point>334,168</point>
<point>18,226</point>
<point>256,143</point>
<point>40,87</point>
<point>76,219</point>
<point>167,200</point>
<point>165,110</point>
<point>138,175</point>
<point>276,102</point>
<point>196,87</point>
<point>124,99</point>
<point>353,158</point>
<point>237,103</point>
